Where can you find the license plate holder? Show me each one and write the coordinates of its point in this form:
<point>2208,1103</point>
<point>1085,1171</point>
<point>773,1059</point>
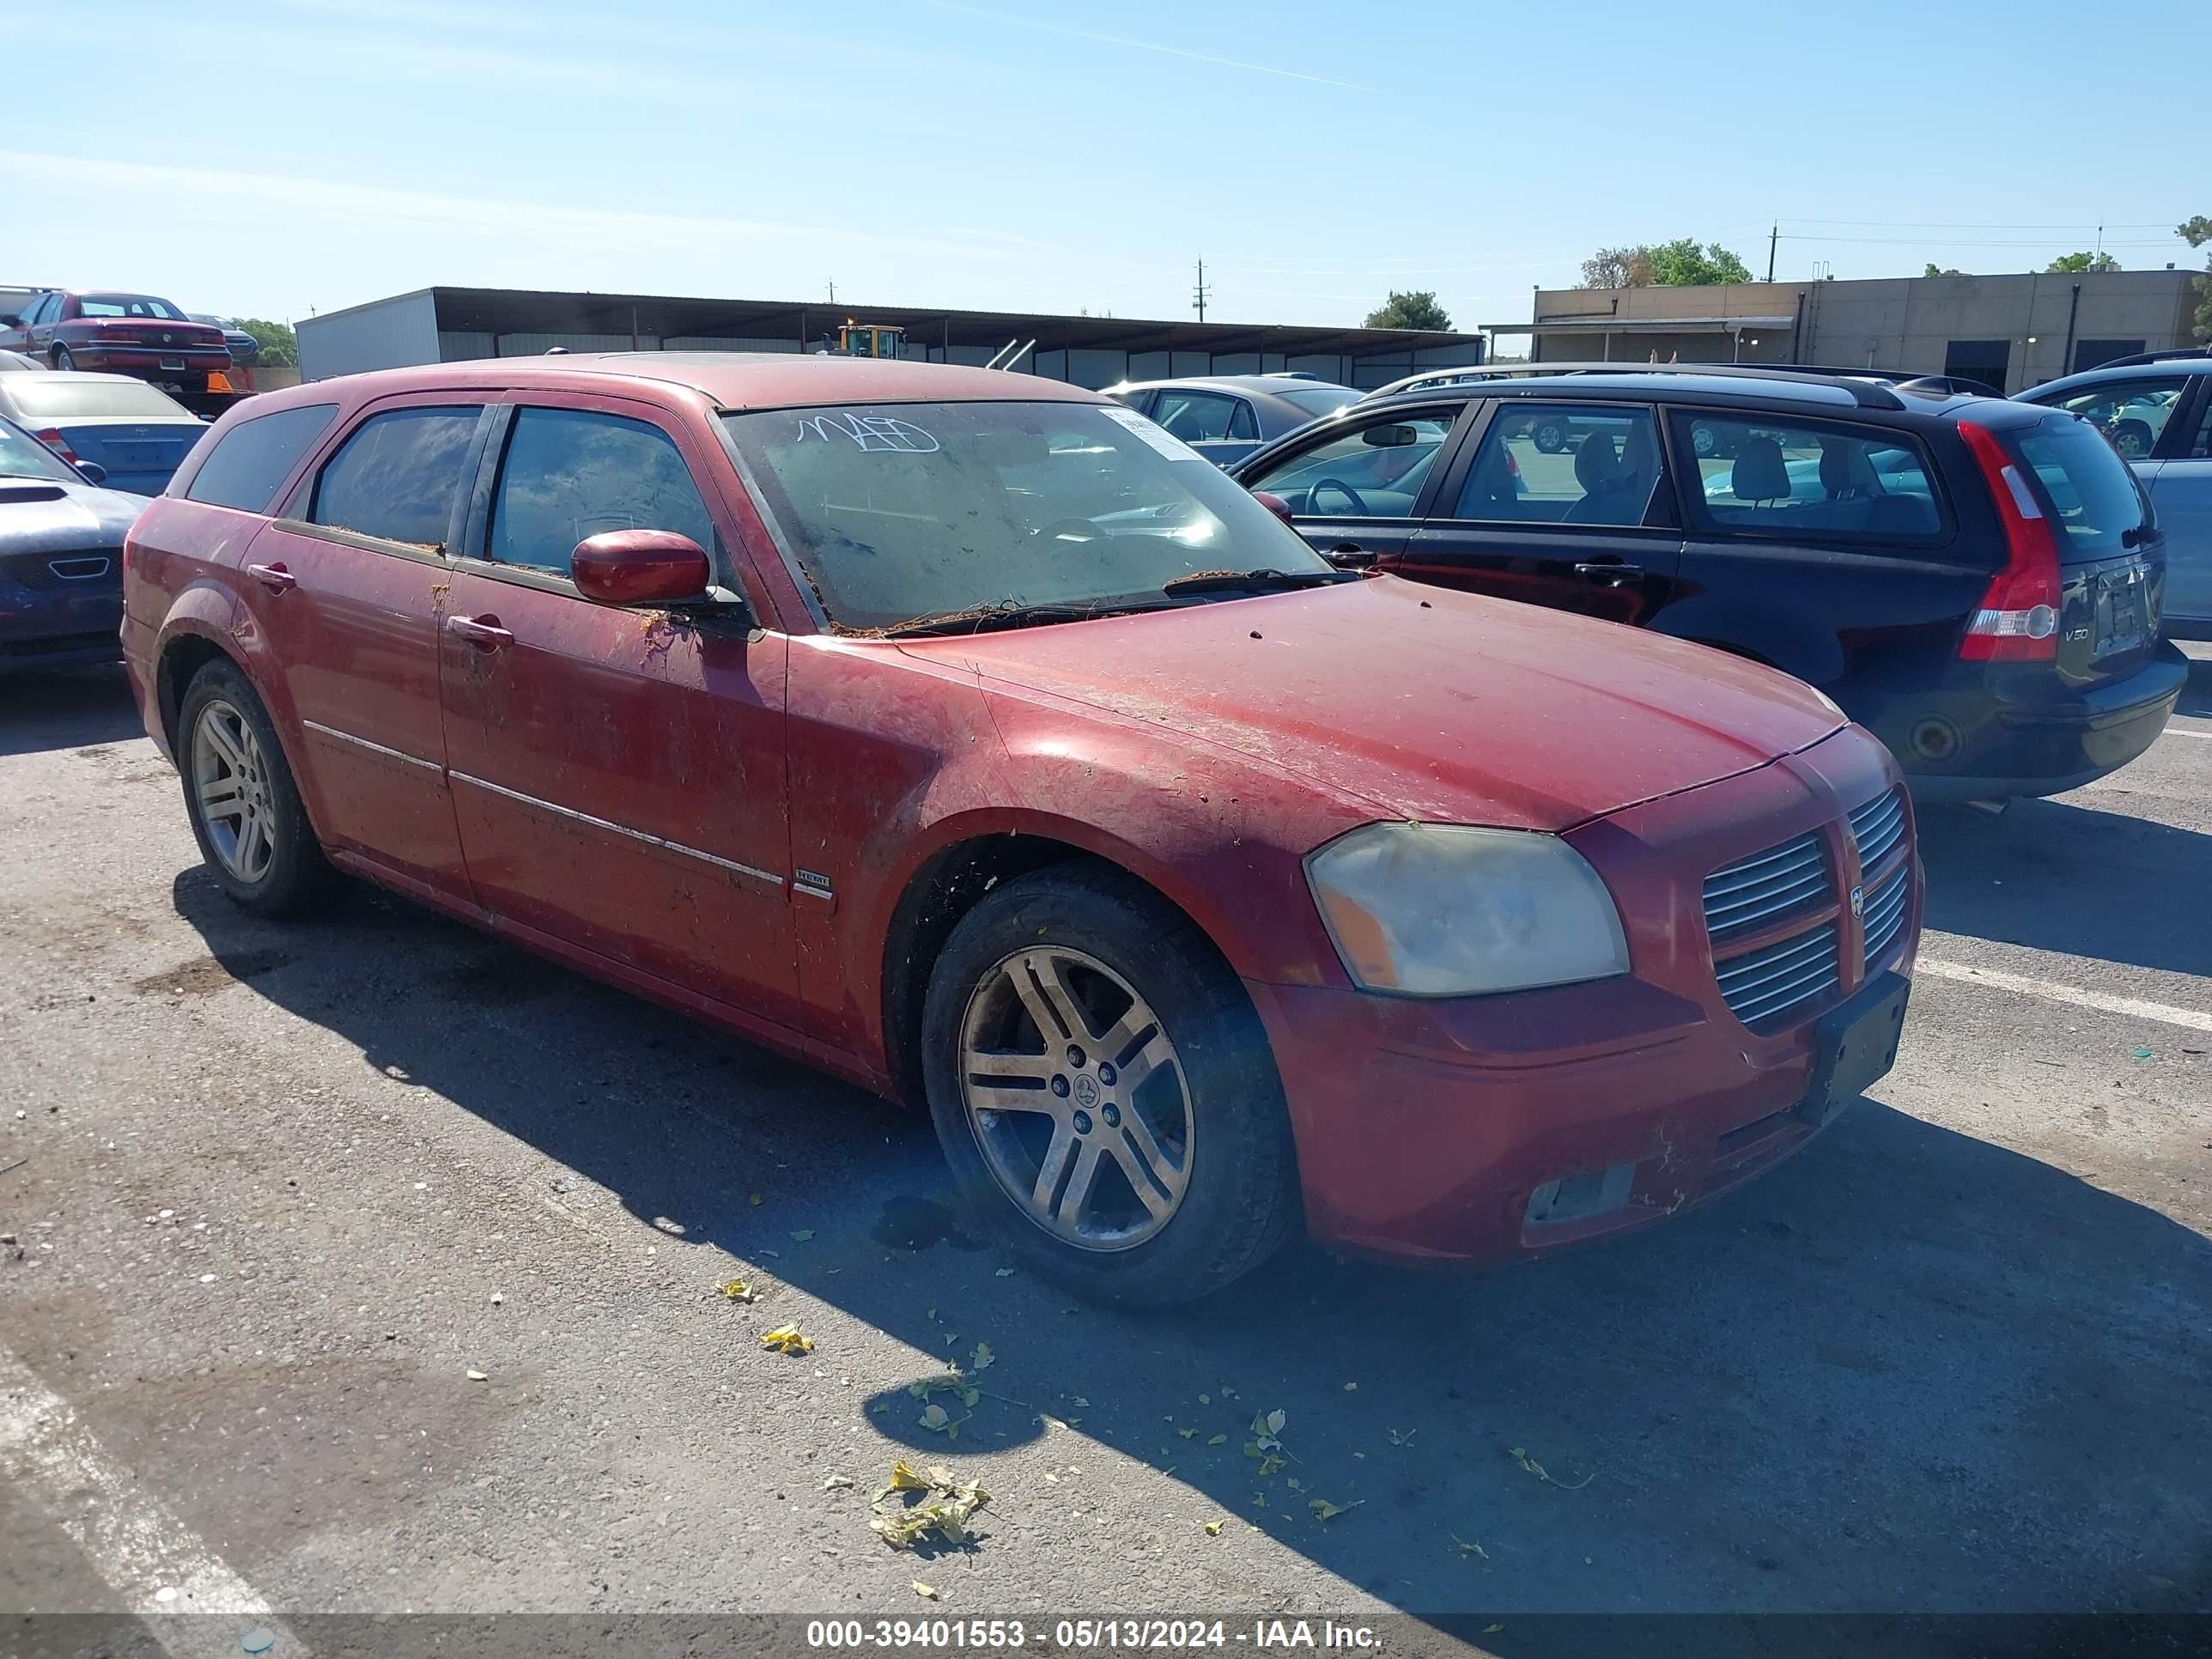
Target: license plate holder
<point>1855,1046</point>
<point>2120,618</point>
<point>174,364</point>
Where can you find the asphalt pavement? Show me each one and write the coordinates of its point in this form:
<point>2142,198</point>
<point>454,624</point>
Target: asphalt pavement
<point>370,1264</point>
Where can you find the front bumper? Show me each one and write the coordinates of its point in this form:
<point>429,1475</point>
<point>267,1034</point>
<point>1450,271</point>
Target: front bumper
<point>42,628</point>
<point>1444,1130</point>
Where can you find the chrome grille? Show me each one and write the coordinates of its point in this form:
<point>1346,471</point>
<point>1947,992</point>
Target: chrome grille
<point>1757,891</point>
<point>1885,914</point>
<point>1877,827</point>
<point>1761,987</point>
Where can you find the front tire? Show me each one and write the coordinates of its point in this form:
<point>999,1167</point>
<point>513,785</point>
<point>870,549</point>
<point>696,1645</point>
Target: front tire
<point>244,806</point>
<point>1103,1092</point>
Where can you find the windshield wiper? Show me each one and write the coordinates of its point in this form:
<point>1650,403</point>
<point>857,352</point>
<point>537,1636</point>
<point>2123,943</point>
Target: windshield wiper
<point>980,618</point>
<point>1254,581</point>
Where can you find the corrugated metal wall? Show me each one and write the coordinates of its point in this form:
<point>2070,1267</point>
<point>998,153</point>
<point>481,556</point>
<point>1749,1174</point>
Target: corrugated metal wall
<point>385,334</point>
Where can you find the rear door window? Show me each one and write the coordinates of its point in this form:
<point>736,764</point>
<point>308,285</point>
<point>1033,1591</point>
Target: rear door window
<point>2088,491</point>
<point>251,459</point>
<point>1808,480</point>
<point>398,476</point>
<point>1196,417</point>
<point>1563,463</point>
<point>571,474</point>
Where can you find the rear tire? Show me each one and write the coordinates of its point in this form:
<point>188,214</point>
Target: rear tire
<point>1551,437</point>
<point>2132,439</point>
<point>62,361</point>
<point>244,806</point>
<point>1137,1170</point>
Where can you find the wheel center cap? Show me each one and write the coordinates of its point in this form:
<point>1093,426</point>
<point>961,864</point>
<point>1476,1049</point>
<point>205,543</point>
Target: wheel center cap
<point>1086,1090</point>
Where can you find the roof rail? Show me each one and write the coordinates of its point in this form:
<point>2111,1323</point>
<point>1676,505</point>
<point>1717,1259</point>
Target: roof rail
<point>2138,358</point>
<point>1909,378</point>
<point>1866,391</point>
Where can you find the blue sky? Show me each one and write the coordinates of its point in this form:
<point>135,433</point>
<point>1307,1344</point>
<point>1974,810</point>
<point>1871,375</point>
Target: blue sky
<point>314,153</point>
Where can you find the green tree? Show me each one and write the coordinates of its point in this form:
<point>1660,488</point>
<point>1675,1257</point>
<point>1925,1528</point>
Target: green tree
<point>1413,310</point>
<point>2075,264</point>
<point>280,348</point>
<point>1683,263</point>
<point>1679,263</point>
<point>2197,232</point>
<point>1935,269</point>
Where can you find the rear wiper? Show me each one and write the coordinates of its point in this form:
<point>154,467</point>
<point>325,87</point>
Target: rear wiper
<point>980,618</point>
<point>1254,581</point>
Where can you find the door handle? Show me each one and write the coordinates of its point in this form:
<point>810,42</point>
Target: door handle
<point>482,632</point>
<point>274,577</point>
<point>1349,556</point>
<point>1609,574</point>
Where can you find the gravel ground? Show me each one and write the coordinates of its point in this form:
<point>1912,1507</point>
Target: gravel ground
<point>379,1259</point>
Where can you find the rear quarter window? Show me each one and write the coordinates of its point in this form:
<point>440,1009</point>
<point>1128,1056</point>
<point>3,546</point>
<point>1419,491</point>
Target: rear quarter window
<point>250,460</point>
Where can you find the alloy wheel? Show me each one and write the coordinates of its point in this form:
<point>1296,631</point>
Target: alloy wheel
<point>230,781</point>
<point>1076,1097</point>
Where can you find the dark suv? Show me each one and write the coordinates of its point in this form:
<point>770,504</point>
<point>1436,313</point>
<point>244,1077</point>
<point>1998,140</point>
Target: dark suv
<point>1978,581</point>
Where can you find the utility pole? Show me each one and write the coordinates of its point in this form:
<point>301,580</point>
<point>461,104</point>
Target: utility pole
<point>1200,293</point>
<point>1772,237</point>
<point>833,290</point>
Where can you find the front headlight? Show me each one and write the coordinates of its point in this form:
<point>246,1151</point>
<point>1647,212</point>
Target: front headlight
<point>1446,910</point>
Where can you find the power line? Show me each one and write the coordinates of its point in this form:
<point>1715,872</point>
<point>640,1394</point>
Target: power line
<point>1945,224</point>
<point>1939,241</point>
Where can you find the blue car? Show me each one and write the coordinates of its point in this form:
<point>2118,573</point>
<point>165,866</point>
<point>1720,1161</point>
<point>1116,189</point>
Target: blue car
<point>61,557</point>
<point>2156,410</point>
<point>245,350</point>
<point>136,433</point>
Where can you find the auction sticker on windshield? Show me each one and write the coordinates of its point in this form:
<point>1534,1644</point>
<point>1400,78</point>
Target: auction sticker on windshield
<point>1154,434</point>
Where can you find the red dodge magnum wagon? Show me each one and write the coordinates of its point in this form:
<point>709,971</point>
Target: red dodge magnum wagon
<point>969,736</point>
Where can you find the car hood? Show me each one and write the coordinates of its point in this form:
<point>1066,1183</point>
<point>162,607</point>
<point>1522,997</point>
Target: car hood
<point>39,516</point>
<point>1425,703</point>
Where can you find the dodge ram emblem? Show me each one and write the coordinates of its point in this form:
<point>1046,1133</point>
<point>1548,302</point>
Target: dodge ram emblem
<point>1858,903</point>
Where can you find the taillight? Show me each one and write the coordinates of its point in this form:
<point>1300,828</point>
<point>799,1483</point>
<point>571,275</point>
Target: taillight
<point>2018,621</point>
<point>52,438</point>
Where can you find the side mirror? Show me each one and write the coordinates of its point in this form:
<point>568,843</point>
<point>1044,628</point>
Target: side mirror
<point>640,566</point>
<point>94,472</point>
<point>1276,505</point>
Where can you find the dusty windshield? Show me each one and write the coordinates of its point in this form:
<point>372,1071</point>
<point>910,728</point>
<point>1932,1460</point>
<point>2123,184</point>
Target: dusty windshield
<point>903,511</point>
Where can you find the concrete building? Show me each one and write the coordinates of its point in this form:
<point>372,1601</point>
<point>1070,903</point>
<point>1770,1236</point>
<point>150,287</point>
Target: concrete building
<point>2012,331</point>
<point>454,324</point>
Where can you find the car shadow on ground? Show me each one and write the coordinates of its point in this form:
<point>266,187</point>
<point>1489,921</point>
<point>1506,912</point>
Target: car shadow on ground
<point>1909,1370</point>
<point>2061,876</point>
<point>66,708</point>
